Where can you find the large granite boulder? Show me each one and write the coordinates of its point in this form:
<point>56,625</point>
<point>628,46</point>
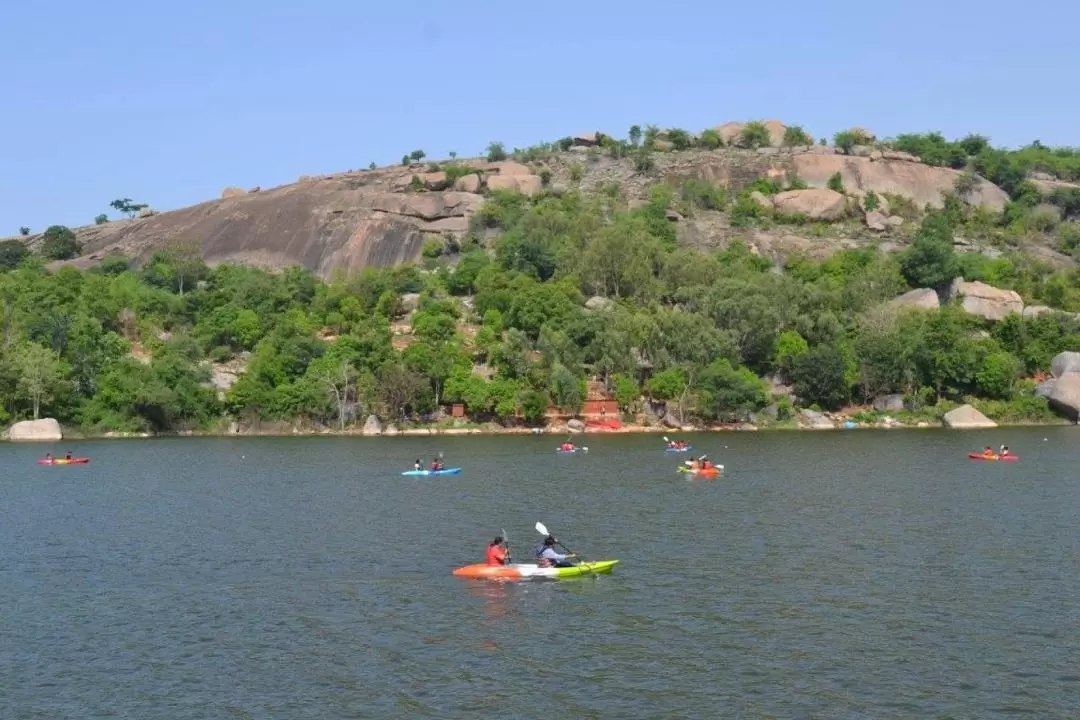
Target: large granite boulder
<point>813,203</point>
<point>986,301</point>
<point>921,298</point>
<point>372,426</point>
<point>575,426</point>
<point>889,403</point>
<point>814,420</point>
<point>1066,362</point>
<point>1064,395</point>
<point>966,417</point>
<point>43,430</point>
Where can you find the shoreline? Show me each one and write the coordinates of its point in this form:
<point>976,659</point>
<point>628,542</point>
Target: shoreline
<point>71,434</point>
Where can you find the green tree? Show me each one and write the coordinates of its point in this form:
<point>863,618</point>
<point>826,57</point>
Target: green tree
<point>635,135</point>
<point>127,206</point>
<point>496,152</point>
<point>821,376</point>
<point>998,375</point>
<point>679,138</point>
<point>846,141</point>
<point>790,346</point>
<point>710,139</point>
<point>566,390</point>
<point>626,392</point>
<point>795,136</point>
<point>12,253</point>
<point>729,392</point>
<point>417,155</point>
<point>931,260</point>
<point>534,405</point>
<point>753,135</point>
<point>24,231</point>
<point>59,243</point>
<point>101,219</point>
<point>39,375</point>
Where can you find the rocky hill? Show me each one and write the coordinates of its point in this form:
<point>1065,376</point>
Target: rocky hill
<point>382,217</point>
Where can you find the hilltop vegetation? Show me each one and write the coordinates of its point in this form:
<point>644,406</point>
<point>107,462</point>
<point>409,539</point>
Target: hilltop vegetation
<point>545,290</point>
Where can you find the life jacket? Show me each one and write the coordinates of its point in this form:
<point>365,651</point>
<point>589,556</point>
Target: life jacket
<point>541,561</point>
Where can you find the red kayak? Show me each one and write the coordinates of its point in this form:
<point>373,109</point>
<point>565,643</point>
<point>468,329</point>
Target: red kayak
<point>1003,458</point>
<point>63,461</point>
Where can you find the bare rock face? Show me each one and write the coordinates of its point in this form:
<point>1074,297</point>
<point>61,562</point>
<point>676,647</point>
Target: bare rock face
<point>230,192</point>
<point>434,180</point>
<point>986,301</point>
<point>468,183</point>
<point>508,167</point>
<point>586,140</point>
<point>815,421</point>
<point>1064,363</point>
<point>966,417</point>
<point>729,131</point>
<point>762,200</point>
<point>889,403</point>
<point>1064,395</point>
<point>372,426</point>
<point>43,430</point>
<point>814,204</point>
<point>523,184</point>
<point>922,183</point>
<point>876,221</point>
<point>599,304</point>
<point>776,132</point>
<point>1033,311</point>
<point>922,299</point>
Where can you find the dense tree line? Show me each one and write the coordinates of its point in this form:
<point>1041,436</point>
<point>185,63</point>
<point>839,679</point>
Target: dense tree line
<point>503,327</point>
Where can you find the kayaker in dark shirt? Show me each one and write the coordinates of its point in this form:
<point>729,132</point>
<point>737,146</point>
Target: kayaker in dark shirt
<point>436,464</point>
<point>496,554</point>
<point>68,456</point>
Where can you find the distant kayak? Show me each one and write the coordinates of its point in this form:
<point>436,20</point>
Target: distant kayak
<point>63,461</point>
<point>446,471</point>
<point>560,451</point>
<point>1003,458</point>
<point>521,571</point>
<point>688,448</point>
<point>707,472</point>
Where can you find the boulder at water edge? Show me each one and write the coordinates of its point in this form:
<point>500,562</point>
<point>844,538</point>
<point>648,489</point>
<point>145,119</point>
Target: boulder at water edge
<point>1066,362</point>
<point>889,403</point>
<point>1064,395</point>
<point>966,417</point>
<point>575,425</point>
<point>372,426</point>
<point>45,429</point>
<point>815,421</point>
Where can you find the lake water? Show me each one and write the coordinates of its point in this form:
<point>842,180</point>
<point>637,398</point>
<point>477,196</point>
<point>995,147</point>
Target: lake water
<point>841,575</point>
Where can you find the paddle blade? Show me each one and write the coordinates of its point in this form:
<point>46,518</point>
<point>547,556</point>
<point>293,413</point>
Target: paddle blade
<point>540,528</point>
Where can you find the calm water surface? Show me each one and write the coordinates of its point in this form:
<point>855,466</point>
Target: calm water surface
<point>838,575</point>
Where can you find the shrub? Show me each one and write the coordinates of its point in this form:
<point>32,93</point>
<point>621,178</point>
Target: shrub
<point>745,211</point>
<point>679,138</point>
<point>703,194</point>
<point>432,248</point>
<point>644,162</point>
<point>101,219</point>
<point>372,166</point>
<point>710,139</point>
<point>796,183</point>
<point>753,136</point>
<point>795,135</point>
<point>565,143</point>
<point>545,176</point>
<point>764,186</point>
<point>455,171</point>
<point>59,243</point>
<point>845,140</point>
<point>576,171</point>
<point>496,152</point>
<point>405,160</point>
<point>417,155</point>
<point>416,185</point>
<point>12,253</point>
<point>871,202</point>
<point>835,182</point>
<point>24,231</point>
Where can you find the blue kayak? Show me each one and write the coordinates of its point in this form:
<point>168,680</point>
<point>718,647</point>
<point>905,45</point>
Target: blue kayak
<point>447,471</point>
<point>688,448</point>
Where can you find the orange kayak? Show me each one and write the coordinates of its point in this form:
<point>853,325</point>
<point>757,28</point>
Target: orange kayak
<point>523,571</point>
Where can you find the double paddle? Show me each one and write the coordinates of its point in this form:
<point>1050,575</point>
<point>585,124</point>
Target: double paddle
<point>542,529</point>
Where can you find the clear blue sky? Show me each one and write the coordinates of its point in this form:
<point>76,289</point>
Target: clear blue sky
<point>169,102</point>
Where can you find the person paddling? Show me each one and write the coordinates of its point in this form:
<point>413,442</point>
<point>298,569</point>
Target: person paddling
<point>547,557</point>
<point>418,466</point>
<point>988,452</point>
<point>48,457</point>
<point>68,456</point>
<point>1004,451</point>
<point>496,553</point>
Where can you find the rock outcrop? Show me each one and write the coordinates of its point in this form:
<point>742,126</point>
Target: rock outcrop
<point>43,430</point>
<point>986,301</point>
<point>815,421</point>
<point>372,426</point>
<point>599,304</point>
<point>966,417</point>
<point>921,298</point>
<point>889,403</point>
<point>575,426</point>
<point>1066,362</point>
<point>1064,395</point>
<point>813,204</point>
<point>922,183</point>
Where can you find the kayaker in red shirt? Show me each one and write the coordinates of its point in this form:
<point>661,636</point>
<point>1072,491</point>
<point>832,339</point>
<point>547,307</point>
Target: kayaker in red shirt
<point>496,553</point>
